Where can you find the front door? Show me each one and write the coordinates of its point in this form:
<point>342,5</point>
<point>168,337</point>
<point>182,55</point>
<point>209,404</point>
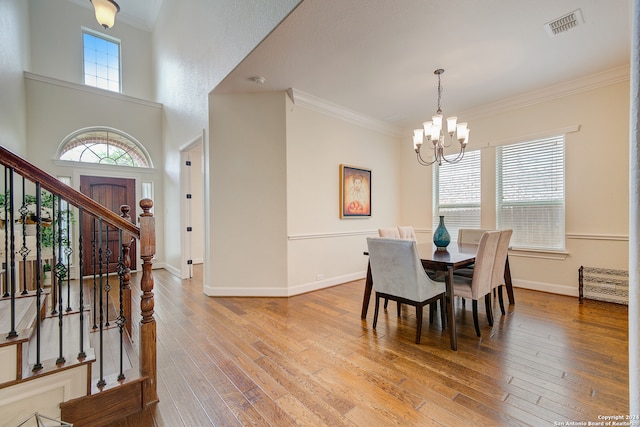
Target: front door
<point>111,193</point>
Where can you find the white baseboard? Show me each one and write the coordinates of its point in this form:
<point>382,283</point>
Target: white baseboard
<point>551,288</point>
<point>217,291</point>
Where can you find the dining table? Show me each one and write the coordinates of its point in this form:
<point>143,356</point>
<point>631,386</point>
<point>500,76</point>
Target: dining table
<point>454,257</point>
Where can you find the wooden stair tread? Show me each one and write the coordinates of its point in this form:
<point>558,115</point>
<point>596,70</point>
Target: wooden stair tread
<point>25,312</point>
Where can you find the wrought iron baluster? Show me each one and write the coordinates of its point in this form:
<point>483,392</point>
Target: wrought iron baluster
<point>38,364</point>
<point>121,320</point>
<point>81,353</point>
<point>107,286</point>
<point>68,250</point>
<point>95,261</point>
<point>12,260</point>
<point>7,194</point>
<point>54,257</point>
<point>24,250</point>
<point>101,381</point>
<point>60,275</point>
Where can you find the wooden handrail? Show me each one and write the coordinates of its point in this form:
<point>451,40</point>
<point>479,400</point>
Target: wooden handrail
<point>55,186</point>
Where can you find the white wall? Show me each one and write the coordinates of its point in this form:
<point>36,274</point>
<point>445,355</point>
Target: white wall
<point>194,48</point>
<point>14,59</point>
<point>248,195</point>
<point>323,248</point>
<point>56,109</point>
<point>56,45</point>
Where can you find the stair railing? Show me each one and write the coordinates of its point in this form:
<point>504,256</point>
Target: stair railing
<point>64,201</point>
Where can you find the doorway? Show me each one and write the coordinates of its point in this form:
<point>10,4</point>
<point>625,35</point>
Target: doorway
<point>111,193</point>
<point>193,234</point>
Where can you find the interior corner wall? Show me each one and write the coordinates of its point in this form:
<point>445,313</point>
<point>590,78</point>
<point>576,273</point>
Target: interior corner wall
<point>248,181</point>
<point>596,181</point>
<point>324,249</point>
<point>14,59</point>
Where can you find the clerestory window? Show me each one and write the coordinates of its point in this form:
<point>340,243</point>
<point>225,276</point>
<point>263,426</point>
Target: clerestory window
<point>101,66</point>
<point>104,146</point>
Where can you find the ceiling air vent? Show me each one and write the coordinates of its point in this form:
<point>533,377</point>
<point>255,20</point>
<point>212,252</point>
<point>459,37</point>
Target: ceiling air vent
<point>564,23</point>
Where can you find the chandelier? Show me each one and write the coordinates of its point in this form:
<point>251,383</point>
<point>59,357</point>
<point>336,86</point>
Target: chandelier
<point>105,12</point>
<point>432,131</point>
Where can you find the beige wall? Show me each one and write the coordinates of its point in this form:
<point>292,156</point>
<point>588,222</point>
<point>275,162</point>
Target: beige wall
<point>597,187</point>
<point>248,200</point>
<point>14,59</point>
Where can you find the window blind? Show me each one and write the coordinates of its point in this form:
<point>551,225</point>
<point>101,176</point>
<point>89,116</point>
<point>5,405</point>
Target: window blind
<point>457,194</point>
<point>530,193</point>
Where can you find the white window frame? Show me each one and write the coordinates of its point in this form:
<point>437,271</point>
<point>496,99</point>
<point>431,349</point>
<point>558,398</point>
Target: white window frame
<point>534,191</point>
<point>109,39</point>
<point>459,177</point>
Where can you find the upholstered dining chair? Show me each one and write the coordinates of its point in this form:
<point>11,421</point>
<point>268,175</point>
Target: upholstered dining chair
<point>407,232</point>
<point>481,283</point>
<point>499,264</point>
<point>398,275</point>
<point>468,236</point>
<point>391,232</point>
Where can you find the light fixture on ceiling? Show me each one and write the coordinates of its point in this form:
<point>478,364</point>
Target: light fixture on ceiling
<point>433,132</point>
<point>106,12</point>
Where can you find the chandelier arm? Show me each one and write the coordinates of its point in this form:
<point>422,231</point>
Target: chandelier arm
<point>457,159</point>
<point>421,161</point>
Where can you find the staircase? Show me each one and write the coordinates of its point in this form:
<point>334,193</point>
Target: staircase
<point>66,347</point>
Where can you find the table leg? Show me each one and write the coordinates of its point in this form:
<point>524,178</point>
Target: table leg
<point>451,309</point>
<point>368,285</point>
<point>507,282</point>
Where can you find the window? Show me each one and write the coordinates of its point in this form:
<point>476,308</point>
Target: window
<point>456,193</point>
<point>101,61</point>
<point>104,146</point>
<point>530,193</point>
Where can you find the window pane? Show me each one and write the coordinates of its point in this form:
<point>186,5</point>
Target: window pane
<point>101,62</point>
<point>105,147</point>
<point>457,194</point>
<point>530,193</point>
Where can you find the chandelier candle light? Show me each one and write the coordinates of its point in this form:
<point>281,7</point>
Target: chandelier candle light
<point>433,133</point>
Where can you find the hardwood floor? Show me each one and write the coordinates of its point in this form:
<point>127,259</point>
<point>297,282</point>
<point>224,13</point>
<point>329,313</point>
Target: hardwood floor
<point>310,360</point>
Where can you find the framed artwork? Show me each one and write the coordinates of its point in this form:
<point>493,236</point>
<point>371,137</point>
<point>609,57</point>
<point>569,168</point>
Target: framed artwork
<point>355,192</point>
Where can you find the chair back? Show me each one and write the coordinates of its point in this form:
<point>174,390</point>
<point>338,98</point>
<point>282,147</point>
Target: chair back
<point>481,283</point>
<point>501,257</point>
<point>391,232</point>
<point>407,232</point>
<point>470,236</point>
<point>396,269</point>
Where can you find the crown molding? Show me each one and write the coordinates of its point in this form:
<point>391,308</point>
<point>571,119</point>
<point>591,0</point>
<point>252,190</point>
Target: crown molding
<point>561,90</point>
<point>323,106</point>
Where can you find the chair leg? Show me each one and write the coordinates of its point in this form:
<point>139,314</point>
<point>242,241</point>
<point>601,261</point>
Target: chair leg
<point>489,308</point>
<point>500,300</point>
<point>475,317</point>
<point>443,311</point>
<point>399,306</point>
<point>386,302</point>
<point>375,313</point>
<point>432,308</point>
<point>419,319</point>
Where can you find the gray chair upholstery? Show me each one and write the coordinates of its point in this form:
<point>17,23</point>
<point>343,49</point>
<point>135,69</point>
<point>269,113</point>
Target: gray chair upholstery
<point>397,274</point>
<point>481,283</point>
<point>499,264</point>
<point>469,236</point>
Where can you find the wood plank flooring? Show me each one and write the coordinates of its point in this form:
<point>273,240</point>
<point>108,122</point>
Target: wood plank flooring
<point>310,360</point>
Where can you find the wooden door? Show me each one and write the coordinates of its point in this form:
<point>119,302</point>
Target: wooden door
<point>111,193</point>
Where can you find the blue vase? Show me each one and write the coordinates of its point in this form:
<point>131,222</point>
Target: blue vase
<point>441,237</point>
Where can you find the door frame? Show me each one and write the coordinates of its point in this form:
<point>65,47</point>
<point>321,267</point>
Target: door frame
<point>187,175</point>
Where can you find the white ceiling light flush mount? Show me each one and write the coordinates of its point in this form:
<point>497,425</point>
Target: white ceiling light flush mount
<point>105,12</point>
<point>433,132</point>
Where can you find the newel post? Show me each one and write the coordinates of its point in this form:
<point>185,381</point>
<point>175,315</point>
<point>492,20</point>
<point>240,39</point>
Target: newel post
<point>148,323</point>
<point>127,239</point>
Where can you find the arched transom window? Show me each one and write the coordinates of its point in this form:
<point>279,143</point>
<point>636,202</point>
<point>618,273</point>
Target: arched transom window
<point>104,146</point>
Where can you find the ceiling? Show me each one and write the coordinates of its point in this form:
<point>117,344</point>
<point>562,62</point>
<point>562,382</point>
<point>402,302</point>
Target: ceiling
<point>377,57</point>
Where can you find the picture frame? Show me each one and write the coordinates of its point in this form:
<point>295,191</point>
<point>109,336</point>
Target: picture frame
<point>355,192</point>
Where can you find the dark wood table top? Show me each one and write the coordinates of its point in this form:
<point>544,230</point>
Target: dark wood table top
<point>456,256</point>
